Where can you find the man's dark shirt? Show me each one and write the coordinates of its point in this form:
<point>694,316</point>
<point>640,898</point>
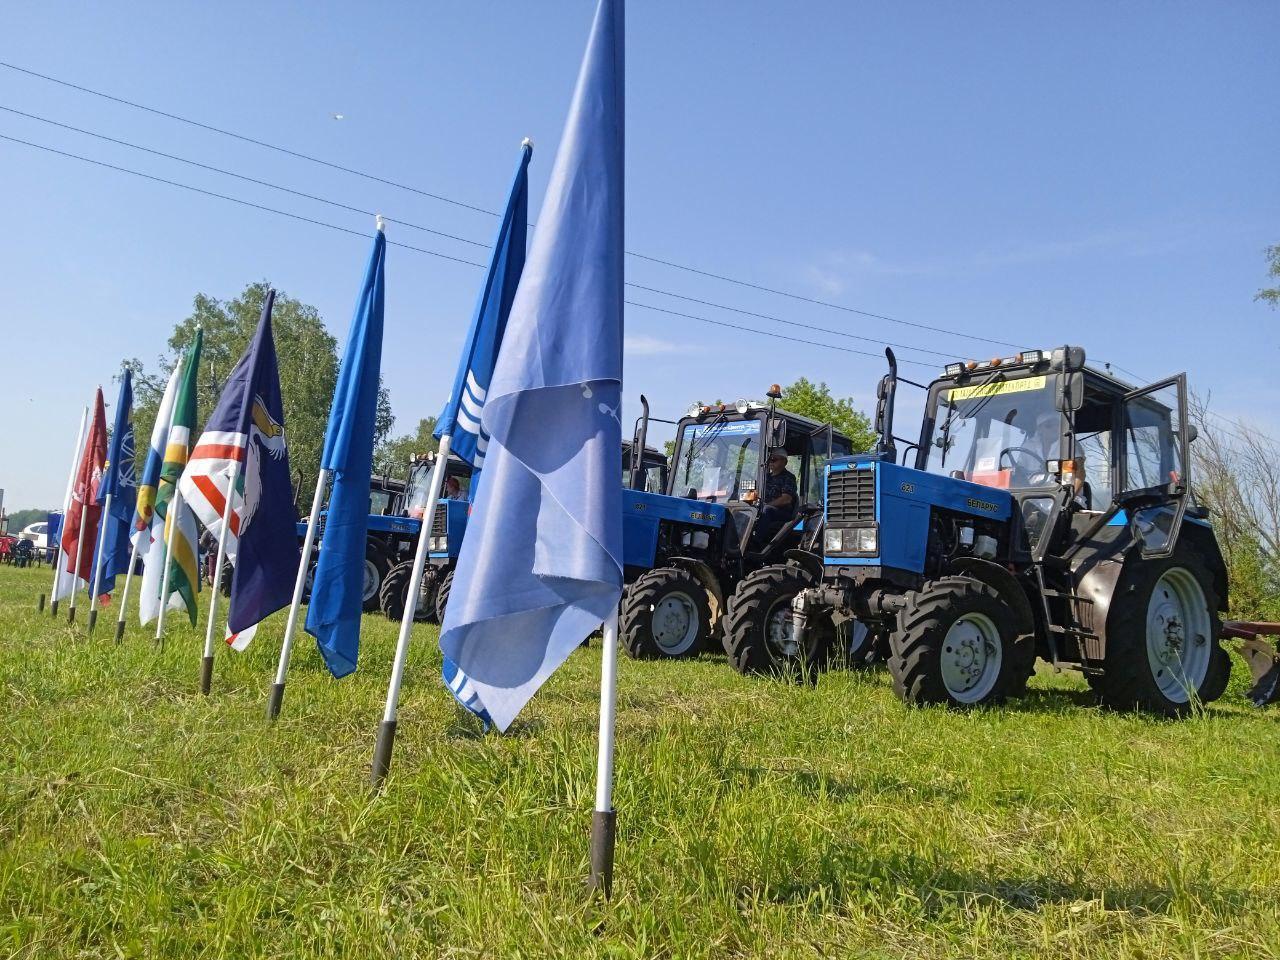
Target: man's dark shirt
<point>776,485</point>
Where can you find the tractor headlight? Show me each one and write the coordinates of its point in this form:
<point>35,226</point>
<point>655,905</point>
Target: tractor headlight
<point>437,543</point>
<point>833,541</point>
<point>953,369</point>
<point>866,540</point>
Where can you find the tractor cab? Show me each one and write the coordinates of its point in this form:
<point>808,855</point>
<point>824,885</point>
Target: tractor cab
<point>647,471</point>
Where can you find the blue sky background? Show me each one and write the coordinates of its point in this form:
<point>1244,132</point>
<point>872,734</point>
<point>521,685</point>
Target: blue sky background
<point>1094,173</point>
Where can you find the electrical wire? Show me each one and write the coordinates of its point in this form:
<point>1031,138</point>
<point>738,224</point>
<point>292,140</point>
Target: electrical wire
<point>493,213</point>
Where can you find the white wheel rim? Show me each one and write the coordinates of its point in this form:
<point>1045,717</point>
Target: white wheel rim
<point>971,658</point>
<point>674,623</point>
<point>370,579</point>
<point>1178,641</point>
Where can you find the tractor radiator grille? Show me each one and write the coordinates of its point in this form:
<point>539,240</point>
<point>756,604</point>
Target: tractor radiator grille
<point>438,521</point>
<point>851,497</point>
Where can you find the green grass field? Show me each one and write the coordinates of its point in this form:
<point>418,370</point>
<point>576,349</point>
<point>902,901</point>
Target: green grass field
<point>139,819</point>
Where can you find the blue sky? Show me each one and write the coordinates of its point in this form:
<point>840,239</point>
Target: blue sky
<point>1094,173</point>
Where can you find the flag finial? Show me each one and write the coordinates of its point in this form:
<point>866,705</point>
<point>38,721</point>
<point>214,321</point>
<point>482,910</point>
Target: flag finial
<point>527,142</point>
<point>381,224</point>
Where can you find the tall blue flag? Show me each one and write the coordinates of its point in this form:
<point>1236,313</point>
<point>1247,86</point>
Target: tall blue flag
<point>461,415</point>
<point>245,435</point>
<point>541,565</point>
<point>120,481</point>
<point>337,592</point>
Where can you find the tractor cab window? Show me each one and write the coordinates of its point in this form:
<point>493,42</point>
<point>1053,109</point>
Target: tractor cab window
<point>1152,445</point>
<point>717,461</point>
<point>1001,433</point>
<point>379,502</point>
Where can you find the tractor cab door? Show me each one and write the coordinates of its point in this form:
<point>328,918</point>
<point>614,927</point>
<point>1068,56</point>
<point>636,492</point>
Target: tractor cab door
<point>1153,459</point>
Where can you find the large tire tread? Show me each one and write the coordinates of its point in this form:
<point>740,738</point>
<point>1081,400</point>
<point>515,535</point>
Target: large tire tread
<point>638,601</point>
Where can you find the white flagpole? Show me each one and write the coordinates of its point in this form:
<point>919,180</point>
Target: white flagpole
<point>304,564</point>
<point>97,566</point>
<point>387,729</point>
<point>124,594</point>
<point>75,580</point>
<point>206,664</point>
<point>170,528</point>
<point>58,553</point>
<point>604,820</point>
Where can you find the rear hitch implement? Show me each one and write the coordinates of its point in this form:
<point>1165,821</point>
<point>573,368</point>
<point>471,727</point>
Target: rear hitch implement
<point>1261,656</point>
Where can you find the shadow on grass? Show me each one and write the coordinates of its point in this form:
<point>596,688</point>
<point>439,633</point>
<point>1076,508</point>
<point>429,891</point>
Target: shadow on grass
<point>817,784</point>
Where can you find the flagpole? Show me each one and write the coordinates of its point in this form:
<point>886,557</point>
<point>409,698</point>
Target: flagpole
<point>282,669</point>
<point>66,507</point>
<point>170,528</point>
<point>97,567</point>
<point>387,729</point>
<point>75,579</point>
<point>206,664</point>
<point>604,820</point>
<point>124,594</point>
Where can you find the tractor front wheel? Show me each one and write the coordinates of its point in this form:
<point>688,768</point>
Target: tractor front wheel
<point>957,645</point>
<point>442,596</point>
<point>376,566</point>
<point>393,595</point>
<point>1163,652</point>
<point>666,614</point>
<point>758,625</point>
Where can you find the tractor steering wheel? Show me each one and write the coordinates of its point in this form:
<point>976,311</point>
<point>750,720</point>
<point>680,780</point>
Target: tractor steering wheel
<point>1039,464</point>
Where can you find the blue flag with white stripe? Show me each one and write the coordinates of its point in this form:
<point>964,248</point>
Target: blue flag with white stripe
<point>541,565</point>
<point>461,415</point>
<point>119,480</point>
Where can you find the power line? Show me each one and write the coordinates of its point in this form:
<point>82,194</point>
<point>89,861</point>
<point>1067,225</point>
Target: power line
<point>434,253</point>
<point>414,226</point>
<point>493,213</point>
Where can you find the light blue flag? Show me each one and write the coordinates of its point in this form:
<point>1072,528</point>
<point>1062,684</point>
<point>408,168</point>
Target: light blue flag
<point>118,481</point>
<point>461,415</point>
<point>337,592</point>
<point>541,565</point>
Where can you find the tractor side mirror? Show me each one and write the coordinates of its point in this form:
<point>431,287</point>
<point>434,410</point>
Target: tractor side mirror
<point>1071,397</point>
<point>777,433</point>
<point>1192,432</point>
<point>882,398</point>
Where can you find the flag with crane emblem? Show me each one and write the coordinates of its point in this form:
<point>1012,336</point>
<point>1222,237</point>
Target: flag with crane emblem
<point>247,427</point>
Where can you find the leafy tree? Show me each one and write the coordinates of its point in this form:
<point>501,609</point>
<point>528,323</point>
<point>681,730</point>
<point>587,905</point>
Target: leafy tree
<point>24,518</point>
<point>392,456</point>
<point>1271,295</point>
<point>308,359</point>
<point>814,400</point>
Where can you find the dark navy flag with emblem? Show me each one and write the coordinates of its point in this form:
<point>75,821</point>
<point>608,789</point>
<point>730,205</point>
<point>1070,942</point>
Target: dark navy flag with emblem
<point>541,565</point>
<point>337,591</point>
<point>120,483</point>
<point>460,418</point>
<point>247,428</point>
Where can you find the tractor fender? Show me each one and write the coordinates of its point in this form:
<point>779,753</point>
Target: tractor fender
<point>1203,541</point>
<point>707,577</point>
<point>810,562</point>
<point>1004,583</point>
<point>1098,584</point>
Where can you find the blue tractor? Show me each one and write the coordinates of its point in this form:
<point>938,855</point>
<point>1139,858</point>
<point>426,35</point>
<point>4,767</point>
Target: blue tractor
<point>1045,510</point>
<point>686,548</point>
<point>647,468</point>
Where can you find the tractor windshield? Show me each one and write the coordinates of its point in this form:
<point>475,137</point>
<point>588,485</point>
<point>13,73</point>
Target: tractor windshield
<point>415,494</point>
<point>1000,433</point>
<point>717,461</point>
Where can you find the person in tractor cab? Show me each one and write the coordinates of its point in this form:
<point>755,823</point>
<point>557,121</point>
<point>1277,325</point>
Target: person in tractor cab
<point>1041,446</point>
<point>781,496</point>
<point>453,489</point>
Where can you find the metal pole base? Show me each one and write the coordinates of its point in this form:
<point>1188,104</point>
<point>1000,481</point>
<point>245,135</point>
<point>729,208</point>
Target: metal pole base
<point>119,630</point>
<point>40,609</point>
<point>275,701</point>
<point>206,675</point>
<point>93,620</point>
<point>53,608</point>
<point>604,825</point>
<point>71,614</point>
<point>382,753</point>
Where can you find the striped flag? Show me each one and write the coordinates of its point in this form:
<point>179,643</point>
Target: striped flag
<point>246,429</point>
<point>181,537</point>
<point>148,525</point>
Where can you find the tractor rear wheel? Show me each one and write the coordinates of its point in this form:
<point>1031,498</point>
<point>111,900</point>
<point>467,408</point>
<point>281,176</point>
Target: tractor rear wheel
<point>666,614</point>
<point>1163,652</point>
<point>957,644</point>
<point>442,596</point>
<point>758,625</point>
<point>376,566</point>
<point>394,593</point>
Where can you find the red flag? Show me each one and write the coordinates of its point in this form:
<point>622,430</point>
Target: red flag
<point>84,499</point>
